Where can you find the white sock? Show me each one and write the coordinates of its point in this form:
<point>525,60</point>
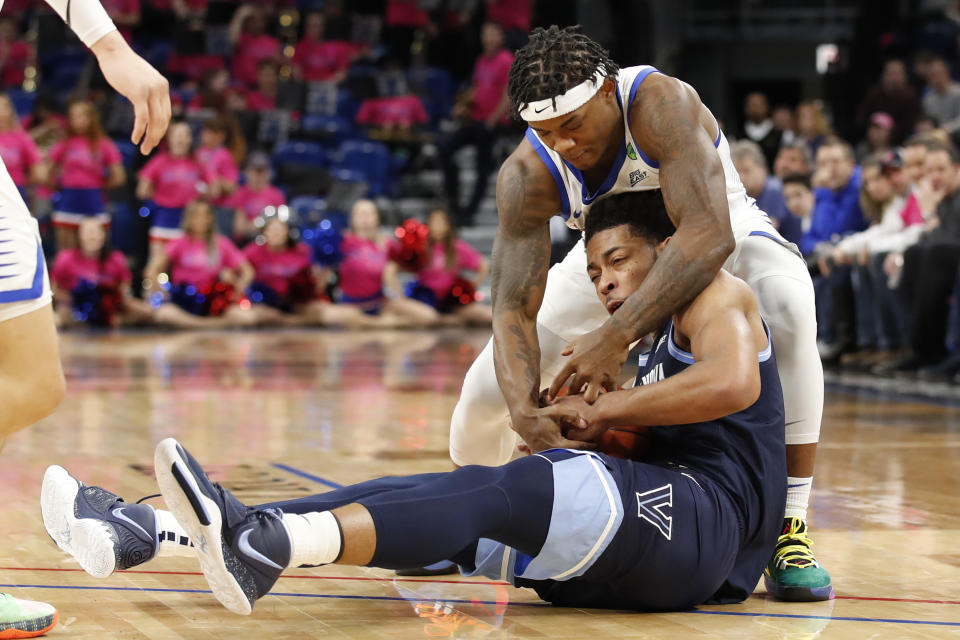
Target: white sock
<point>174,541</point>
<point>315,538</point>
<point>798,497</point>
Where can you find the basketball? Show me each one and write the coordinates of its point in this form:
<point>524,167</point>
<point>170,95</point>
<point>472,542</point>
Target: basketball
<point>625,442</point>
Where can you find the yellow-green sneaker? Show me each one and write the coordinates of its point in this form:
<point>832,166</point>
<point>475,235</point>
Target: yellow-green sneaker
<point>24,618</point>
<point>794,573</point>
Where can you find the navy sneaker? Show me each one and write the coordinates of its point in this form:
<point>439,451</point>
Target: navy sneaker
<point>101,531</point>
<point>242,551</point>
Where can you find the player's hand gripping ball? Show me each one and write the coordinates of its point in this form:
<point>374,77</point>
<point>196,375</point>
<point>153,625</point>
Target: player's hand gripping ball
<point>630,443</point>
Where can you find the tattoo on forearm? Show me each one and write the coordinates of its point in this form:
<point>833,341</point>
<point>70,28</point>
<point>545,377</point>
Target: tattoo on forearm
<point>531,361</point>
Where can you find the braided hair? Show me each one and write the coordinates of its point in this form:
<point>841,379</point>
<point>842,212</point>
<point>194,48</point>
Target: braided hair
<point>553,61</point>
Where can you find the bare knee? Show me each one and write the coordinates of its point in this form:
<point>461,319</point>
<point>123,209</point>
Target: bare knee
<point>39,391</point>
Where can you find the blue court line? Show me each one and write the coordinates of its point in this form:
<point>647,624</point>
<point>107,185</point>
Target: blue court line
<point>331,596</point>
<point>304,474</point>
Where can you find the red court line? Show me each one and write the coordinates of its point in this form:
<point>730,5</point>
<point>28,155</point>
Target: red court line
<point>435,581</point>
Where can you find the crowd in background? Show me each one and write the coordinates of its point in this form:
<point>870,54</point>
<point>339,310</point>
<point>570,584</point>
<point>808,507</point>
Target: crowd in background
<point>299,124</point>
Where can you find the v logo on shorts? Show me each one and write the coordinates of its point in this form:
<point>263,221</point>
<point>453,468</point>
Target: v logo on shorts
<point>650,505</point>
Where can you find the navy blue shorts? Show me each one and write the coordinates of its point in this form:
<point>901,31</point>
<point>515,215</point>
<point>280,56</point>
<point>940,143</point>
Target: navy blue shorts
<point>676,543</point>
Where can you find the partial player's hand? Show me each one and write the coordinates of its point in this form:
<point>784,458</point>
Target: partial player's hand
<point>581,420</point>
<point>542,431</point>
<point>595,362</point>
<point>141,84</point>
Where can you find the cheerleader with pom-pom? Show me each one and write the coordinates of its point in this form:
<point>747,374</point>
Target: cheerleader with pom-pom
<point>91,284</point>
<point>440,278</point>
<point>361,271</point>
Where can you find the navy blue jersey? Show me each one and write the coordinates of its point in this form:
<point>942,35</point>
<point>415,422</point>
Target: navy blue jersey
<point>743,454</point>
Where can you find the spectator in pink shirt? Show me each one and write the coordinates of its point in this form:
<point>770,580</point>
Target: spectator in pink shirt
<point>82,166</point>
<point>319,60</point>
<point>207,276</point>
<point>287,280</point>
<point>441,281</point>
<point>15,54</point>
<point>250,43</point>
<point>171,180</point>
<point>91,284</point>
<point>125,14</point>
<point>264,97</point>
<point>252,198</point>
<point>214,155</point>
<point>361,271</point>
<point>483,120</point>
<point>514,16</point>
<point>404,18</point>
<point>18,150</point>
<point>394,115</point>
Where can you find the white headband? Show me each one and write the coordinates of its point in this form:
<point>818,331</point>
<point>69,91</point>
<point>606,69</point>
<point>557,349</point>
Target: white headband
<point>570,100</point>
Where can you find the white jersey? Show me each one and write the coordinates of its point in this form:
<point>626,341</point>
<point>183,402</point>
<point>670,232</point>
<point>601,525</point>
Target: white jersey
<point>633,170</point>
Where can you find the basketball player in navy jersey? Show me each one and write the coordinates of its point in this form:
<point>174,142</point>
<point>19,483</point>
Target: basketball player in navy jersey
<point>596,130</point>
<point>694,523</point>
<point>31,378</point>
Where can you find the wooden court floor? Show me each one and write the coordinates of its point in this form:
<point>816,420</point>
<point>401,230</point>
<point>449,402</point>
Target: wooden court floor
<point>286,414</point>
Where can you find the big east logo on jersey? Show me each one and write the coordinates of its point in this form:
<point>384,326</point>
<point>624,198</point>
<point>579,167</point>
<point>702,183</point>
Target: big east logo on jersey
<point>637,177</point>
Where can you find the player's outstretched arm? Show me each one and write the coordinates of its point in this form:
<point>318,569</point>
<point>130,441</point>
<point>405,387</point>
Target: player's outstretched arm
<point>128,73</point>
<point>526,199</point>
<point>671,124</point>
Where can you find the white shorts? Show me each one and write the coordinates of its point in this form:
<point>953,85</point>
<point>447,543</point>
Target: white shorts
<point>24,284</point>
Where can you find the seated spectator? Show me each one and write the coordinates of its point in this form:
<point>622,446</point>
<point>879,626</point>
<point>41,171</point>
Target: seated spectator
<point>836,214</point>
<point>402,21</point>
<point>514,16</point>
<point>253,197</point>
<point>361,272</point>
<point>941,100</point>
<point>758,126</point>
<point>46,123</point>
<point>925,125</point>
<point>929,268</point>
<point>216,95</point>
<point>318,60</point>
<point>883,198</point>
<point>751,164</point>
<point>878,137</point>
<point>798,197</point>
<point>91,284</point>
<point>285,279</point>
<point>82,166</point>
<point>793,157</point>
<point>125,15</point>
<point>251,43</point>
<point>207,276</point>
<point>396,115</point>
<point>812,126</point>
<point>15,54</point>
<point>217,159</point>
<point>441,282</point>
<point>264,97</point>
<point>171,180</point>
<point>892,95</point>
<point>785,121</point>
<point>19,152</point>
<point>482,122</point>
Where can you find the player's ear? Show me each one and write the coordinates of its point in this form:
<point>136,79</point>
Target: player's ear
<point>663,245</point>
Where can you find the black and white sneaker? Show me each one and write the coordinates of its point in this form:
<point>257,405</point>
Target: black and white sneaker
<point>101,531</point>
<point>242,551</point>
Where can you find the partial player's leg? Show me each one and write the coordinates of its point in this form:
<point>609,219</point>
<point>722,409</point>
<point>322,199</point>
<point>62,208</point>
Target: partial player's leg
<point>480,430</point>
<point>786,298</point>
<point>243,551</point>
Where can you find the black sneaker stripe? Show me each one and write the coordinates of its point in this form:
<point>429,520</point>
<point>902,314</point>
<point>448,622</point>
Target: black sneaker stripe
<point>191,496</point>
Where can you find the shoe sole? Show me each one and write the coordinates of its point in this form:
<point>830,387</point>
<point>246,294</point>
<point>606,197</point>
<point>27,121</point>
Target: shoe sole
<point>798,594</point>
<point>201,519</point>
<point>17,634</point>
<point>92,543</point>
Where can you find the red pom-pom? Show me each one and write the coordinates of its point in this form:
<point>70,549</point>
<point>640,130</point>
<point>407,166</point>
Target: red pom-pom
<point>409,250</point>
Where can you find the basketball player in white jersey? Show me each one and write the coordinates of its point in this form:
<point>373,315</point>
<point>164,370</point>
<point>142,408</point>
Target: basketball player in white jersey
<point>31,380</point>
<point>595,130</point>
